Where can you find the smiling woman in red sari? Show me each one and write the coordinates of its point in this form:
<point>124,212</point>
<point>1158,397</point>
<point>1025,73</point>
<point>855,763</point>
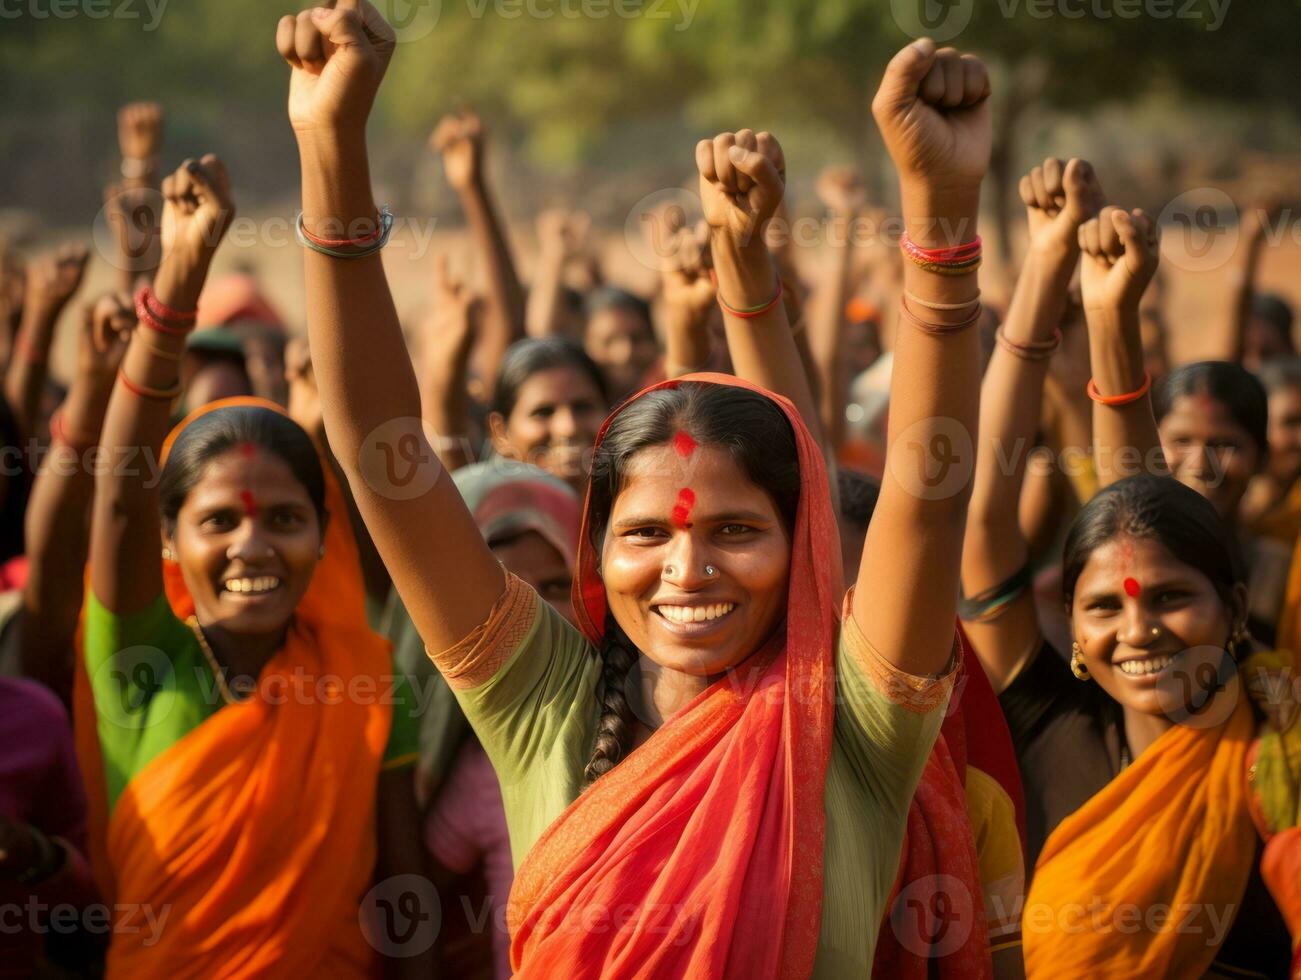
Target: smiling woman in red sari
<point>711,777</point>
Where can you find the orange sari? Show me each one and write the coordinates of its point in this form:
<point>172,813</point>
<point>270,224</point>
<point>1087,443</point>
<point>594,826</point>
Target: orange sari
<point>1172,831</point>
<point>255,832</point>
<point>700,855</point>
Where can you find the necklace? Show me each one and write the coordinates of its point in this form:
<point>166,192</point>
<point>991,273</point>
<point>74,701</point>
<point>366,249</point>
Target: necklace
<point>217,672</point>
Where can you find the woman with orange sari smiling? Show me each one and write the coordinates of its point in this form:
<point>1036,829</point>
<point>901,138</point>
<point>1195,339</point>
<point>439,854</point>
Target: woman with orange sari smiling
<point>1156,871</point>
<point>711,778</point>
<point>235,728</point>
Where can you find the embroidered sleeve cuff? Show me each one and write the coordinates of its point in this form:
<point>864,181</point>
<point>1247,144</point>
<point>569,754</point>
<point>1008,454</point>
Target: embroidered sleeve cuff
<point>478,657</point>
<point>915,692</point>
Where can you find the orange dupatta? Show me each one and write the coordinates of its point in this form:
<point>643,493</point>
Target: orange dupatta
<point>700,854</point>
<point>1173,830</point>
<point>255,832</point>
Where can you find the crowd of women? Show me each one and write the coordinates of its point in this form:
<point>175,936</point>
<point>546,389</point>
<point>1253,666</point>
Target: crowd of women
<point>733,633</point>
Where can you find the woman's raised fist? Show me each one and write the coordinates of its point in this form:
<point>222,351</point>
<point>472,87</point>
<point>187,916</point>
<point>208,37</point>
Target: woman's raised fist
<point>742,179</point>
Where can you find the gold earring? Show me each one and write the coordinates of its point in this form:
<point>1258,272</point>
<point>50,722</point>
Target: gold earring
<point>167,554</point>
<point>1077,663</point>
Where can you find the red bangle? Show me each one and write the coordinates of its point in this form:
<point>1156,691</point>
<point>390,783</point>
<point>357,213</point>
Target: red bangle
<point>757,311</point>
<point>1117,400</point>
<point>953,255</point>
<point>59,434</point>
<point>144,391</point>
<point>366,239</point>
<point>164,312</point>
<point>149,319</point>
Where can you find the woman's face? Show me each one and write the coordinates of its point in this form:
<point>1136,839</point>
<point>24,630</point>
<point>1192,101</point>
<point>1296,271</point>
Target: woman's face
<point>673,517</point>
<point>554,423</point>
<point>1151,630</point>
<point>1209,452</point>
<point>537,562</point>
<point>247,539</point>
<point>1285,434</point>
<point>620,341</point>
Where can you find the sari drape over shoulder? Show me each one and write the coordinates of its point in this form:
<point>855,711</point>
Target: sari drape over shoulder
<point>700,855</point>
<point>255,832</point>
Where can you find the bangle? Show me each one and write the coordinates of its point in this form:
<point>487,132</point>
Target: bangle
<point>938,329</point>
<point>367,246</point>
<point>1116,401</point>
<point>955,261</point>
<point>50,858</point>
<point>756,311</point>
<point>1035,350</point>
<point>59,434</point>
<point>164,312</point>
<point>360,242</point>
<point>137,168</point>
<point>145,301</point>
<point>927,304</point>
<point>169,355</point>
<point>144,391</point>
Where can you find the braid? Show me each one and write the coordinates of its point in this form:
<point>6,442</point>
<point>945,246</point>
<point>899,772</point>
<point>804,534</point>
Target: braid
<point>614,729</point>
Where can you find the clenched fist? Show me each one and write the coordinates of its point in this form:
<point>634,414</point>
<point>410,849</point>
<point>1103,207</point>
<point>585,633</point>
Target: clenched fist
<point>742,179</point>
<point>197,210</point>
<point>933,111</point>
<point>1058,199</point>
<point>458,139</point>
<point>53,278</point>
<point>1121,250</point>
<point>339,53</point>
<point>140,130</point>
<point>107,328</point>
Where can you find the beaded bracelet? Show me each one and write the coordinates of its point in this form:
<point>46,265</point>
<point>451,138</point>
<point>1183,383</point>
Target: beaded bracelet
<point>1035,350</point>
<point>371,246</point>
<point>938,329</point>
<point>144,391</point>
<point>1115,401</point>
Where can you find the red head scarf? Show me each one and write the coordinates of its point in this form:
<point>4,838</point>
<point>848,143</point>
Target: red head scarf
<point>700,855</point>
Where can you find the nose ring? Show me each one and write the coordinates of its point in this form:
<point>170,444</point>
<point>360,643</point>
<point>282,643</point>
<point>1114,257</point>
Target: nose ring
<point>1156,631</point>
<point>710,571</point>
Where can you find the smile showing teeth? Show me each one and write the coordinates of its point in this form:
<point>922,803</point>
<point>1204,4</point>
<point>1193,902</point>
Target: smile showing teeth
<point>695,614</point>
<point>252,586</point>
<point>1141,668</point>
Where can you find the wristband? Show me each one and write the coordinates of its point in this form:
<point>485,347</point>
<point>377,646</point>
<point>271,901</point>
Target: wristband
<point>1115,401</point>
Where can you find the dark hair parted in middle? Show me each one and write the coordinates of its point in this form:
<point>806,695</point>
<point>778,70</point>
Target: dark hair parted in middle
<point>1232,385</point>
<point>222,429</point>
<point>1162,509</point>
<point>759,437</point>
<point>527,357</point>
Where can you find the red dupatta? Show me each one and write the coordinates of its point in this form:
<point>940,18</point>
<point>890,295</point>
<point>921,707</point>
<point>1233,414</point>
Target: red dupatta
<point>700,855</point>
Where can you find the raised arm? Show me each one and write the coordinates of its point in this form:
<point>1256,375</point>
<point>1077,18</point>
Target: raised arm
<point>1229,332</point>
<point>125,539</point>
<point>57,512</point>
<point>459,138</point>
<point>933,111</point>
<point>689,301</point>
<point>561,238</point>
<point>51,282</point>
<point>842,193</point>
<point>1002,623</point>
<point>444,572</point>
<point>1120,254</point>
<point>742,179</point>
<point>445,345</point>
<point>132,204</point>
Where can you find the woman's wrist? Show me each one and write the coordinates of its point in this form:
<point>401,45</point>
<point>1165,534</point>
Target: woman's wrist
<point>746,275</point>
<point>336,184</point>
<point>939,217</point>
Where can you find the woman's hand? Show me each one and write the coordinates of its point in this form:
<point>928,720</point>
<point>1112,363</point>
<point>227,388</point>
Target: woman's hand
<point>140,131</point>
<point>197,210</point>
<point>54,278</point>
<point>339,53</point>
<point>742,180</point>
<point>1058,199</point>
<point>108,325</point>
<point>1121,252</point>
<point>458,139</point>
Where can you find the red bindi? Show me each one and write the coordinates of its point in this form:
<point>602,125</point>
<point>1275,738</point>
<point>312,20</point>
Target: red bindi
<point>682,509</point>
<point>247,449</point>
<point>250,505</point>
<point>684,445</point>
<point>1132,588</point>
